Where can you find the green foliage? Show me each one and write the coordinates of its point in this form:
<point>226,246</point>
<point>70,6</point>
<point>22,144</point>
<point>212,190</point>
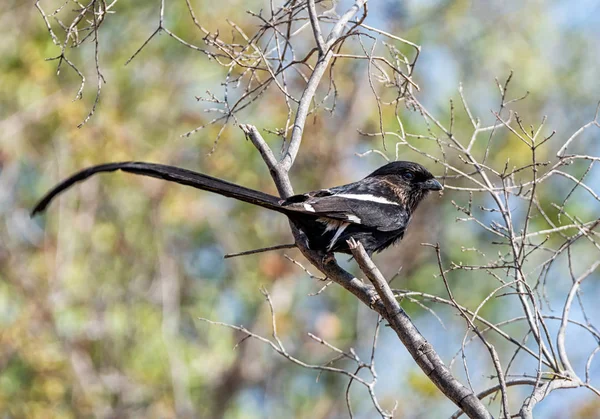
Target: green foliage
<point>100,299</point>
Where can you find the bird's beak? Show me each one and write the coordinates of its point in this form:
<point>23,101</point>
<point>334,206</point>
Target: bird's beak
<point>432,185</point>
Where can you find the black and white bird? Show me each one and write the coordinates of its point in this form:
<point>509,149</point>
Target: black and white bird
<point>375,210</point>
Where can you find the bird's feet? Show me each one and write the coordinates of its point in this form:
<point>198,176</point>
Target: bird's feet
<point>328,258</point>
<point>374,297</point>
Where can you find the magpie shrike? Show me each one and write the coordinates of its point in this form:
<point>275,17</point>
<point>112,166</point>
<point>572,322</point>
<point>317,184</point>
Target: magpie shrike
<point>375,210</point>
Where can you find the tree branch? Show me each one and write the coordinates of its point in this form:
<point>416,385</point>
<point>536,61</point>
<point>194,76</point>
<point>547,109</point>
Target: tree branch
<point>290,153</point>
<point>418,347</point>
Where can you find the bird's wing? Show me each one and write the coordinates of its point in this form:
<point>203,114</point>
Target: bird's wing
<point>366,203</point>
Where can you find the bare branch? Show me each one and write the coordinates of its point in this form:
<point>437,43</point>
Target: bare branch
<point>314,23</point>
<point>560,338</point>
<point>421,351</point>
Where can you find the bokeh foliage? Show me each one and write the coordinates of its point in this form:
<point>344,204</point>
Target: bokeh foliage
<point>100,299</point>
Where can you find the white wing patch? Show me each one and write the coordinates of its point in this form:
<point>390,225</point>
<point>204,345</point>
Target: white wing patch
<point>353,218</point>
<point>309,207</point>
<point>367,197</point>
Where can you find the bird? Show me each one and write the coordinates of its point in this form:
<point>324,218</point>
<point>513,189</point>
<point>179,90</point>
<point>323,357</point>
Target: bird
<point>375,210</point>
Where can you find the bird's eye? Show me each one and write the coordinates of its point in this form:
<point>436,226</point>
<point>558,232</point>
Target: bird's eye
<point>408,176</point>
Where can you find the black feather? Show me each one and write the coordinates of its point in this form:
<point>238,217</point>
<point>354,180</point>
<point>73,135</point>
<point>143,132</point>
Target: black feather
<point>375,210</point>
<point>169,173</point>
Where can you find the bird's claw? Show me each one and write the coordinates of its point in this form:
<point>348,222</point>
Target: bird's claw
<point>374,297</point>
<point>328,258</point>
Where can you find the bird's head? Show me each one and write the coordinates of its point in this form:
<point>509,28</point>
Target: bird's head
<point>412,180</point>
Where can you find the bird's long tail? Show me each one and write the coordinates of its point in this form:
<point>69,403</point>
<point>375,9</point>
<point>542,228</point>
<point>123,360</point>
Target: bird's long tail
<point>171,174</point>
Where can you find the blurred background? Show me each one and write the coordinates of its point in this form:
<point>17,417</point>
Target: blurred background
<point>100,298</point>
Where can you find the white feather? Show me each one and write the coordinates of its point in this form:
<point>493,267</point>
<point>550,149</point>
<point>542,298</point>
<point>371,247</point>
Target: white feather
<point>309,207</point>
<point>337,235</point>
<point>330,224</point>
<point>353,218</point>
<point>368,197</point>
